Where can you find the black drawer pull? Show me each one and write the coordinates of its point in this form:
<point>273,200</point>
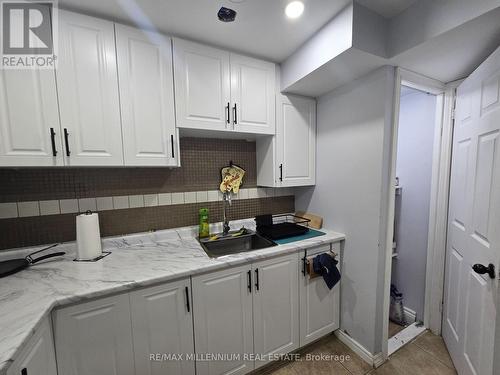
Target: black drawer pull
<point>228,115</point>
<point>257,279</point>
<point>235,113</point>
<point>24,371</point>
<point>172,145</point>
<point>188,305</point>
<point>249,273</point>
<point>53,141</point>
<point>66,140</point>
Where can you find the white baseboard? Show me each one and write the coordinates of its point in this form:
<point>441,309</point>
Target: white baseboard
<point>410,315</point>
<point>374,360</point>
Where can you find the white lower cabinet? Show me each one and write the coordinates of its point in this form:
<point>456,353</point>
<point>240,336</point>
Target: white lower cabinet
<point>95,338</point>
<point>38,356</point>
<point>319,306</point>
<point>222,303</point>
<point>275,307</point>
<point>162,324</point>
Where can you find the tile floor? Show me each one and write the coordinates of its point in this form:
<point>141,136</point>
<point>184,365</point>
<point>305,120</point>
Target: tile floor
<point>426,355</point>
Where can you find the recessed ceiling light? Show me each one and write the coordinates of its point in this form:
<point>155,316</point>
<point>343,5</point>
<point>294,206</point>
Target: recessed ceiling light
<point>294,9</point>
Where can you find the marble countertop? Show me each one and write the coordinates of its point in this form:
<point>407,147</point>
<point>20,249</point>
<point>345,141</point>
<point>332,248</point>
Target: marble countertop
<point>27,297</point>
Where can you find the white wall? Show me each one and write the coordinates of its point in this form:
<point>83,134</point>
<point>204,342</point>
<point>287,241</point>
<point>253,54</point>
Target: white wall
<point>414,169</point>
<point>354,125</point>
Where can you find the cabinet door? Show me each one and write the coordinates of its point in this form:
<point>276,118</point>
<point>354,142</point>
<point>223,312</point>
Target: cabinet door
<point>276,306</point>
<point>38,357</point>
<point>162,323</point>
<point>146,97</point>
<point>222,303</point>
<point>296,141</point>
<point>95,338</point>
<point>202,86</point>
<point>88,91</point>
<point>253,95</point>
<point>319,306</point>
<point>28,112</point>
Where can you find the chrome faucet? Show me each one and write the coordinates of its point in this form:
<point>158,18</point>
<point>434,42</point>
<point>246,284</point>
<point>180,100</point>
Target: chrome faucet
<point>226,200</point>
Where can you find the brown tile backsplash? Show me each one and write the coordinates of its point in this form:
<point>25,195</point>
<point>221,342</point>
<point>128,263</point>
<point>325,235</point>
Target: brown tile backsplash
<point>38,230</point>
<point>201,160</point>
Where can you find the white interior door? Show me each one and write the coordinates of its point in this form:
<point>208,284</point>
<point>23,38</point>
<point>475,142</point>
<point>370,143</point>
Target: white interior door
<point>146,97</point>
<point>87,85</point>
<point>252,95</point>
<point>474,222</point>
<point>202,86</point>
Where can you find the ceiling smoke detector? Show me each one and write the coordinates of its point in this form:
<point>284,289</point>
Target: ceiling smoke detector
<point>226,14</point>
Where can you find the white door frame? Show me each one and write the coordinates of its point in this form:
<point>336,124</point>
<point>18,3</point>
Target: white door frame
<point>438,213</point>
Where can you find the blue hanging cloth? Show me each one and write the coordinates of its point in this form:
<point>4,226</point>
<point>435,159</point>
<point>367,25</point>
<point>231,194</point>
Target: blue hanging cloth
<point>326,266</point>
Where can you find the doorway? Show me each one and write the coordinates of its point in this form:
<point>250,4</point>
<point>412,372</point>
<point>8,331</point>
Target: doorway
<point>414,165</point>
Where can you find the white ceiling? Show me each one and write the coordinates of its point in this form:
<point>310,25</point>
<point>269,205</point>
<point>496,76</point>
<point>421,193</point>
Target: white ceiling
<point>261,28</point>
<point>387,8</point>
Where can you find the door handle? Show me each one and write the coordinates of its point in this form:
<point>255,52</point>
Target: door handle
<point>66,141</point>
<point>53,141</point>
<point>482,269</point>
<point>304,263</point>
<point>249,273</point>
<point>188,305</point>
<point>281,172</point>
<point>235,115</point>
<point>228,115</point>
<point>257,279</point>
<point>24,371</point>
<point>172,145</point>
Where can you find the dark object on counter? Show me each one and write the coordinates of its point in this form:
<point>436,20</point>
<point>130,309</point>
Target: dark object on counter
<point>281,226</point>
<point>9,267</point>
<point>326,266</point>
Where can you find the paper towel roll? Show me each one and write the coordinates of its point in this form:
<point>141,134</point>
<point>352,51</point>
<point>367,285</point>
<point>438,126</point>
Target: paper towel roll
<point>88,236</point>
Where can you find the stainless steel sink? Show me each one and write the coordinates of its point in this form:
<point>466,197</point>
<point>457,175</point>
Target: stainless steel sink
<point>227,245</point>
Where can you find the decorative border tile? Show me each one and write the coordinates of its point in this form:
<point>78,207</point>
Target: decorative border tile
<point>65,206</point>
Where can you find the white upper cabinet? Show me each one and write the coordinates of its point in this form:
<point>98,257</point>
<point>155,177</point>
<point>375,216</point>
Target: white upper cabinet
<point>29,119</point>
<point>162,322</point>
<point>202,86</point>
<point>252,95</point>
<point>146,97</point>
<point>296,141</point>
<point>218,90</point>
<point>88,91</point>
<point>289,158</point>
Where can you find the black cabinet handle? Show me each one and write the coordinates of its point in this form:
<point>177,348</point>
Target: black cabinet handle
<point>235,114</point>
<point>228,115</point>
<point>188,305</point>
<point>172,145</point>
<point>249,273</point>
<point>304,263</point>
<point>257,279</point>
<point>24,371</point>
<point>66,141</point>
<point>281,172</point>
<point>53,141</point>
